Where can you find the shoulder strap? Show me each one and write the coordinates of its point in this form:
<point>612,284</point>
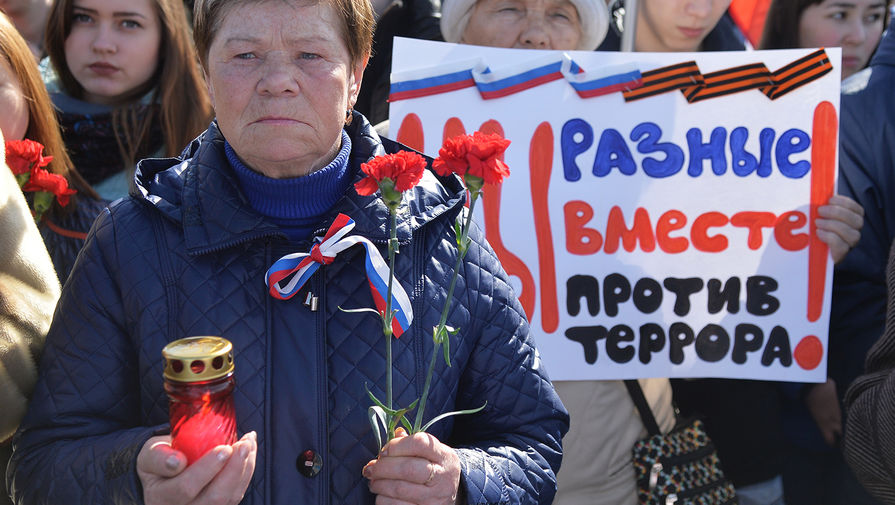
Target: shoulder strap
<point>646,414</point>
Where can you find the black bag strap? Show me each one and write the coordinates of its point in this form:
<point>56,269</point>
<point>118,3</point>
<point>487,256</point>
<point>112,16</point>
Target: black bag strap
<point>646,414</point>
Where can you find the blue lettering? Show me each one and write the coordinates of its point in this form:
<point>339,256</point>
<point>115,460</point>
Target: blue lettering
<point>791,142</point>
<point>647,134</point>
<point>713,150</point>
<point>571,148</point>
<point>612,151</point>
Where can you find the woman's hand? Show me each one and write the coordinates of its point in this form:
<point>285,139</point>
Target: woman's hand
<point>823,403</point>
<point>220,477</point>
<point>414,469</point>
<point>839,225</point>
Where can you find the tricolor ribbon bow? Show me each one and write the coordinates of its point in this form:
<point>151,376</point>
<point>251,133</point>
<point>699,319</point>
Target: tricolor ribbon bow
<point>303,266</point>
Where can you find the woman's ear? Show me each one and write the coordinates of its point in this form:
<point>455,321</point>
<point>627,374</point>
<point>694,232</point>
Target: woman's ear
<point>355,79</point>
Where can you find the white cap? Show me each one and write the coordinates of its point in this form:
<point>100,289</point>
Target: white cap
<point>593,14</point>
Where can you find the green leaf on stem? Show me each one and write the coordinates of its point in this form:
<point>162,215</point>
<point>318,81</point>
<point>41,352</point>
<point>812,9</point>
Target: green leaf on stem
<point>458,229</point>
<point>449,414</point>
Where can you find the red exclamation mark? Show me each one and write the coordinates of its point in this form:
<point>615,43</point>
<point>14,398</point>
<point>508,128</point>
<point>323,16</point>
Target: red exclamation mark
<point>511,263</point>
<point>823,171</point>
<point>540,162</point>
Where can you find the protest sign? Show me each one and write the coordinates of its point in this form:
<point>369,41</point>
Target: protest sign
<point>658,220</point>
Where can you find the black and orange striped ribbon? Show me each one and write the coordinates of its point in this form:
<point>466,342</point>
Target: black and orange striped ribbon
<point>697,86</point>
<point>729,81</point>
<point>665,79</point>
<point>798,73</point>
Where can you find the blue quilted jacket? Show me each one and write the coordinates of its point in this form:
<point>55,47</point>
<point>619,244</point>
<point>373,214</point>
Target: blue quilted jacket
<point>186,255</point>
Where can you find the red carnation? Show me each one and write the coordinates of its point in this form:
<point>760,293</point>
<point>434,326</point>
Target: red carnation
<point>41,180</point>
<point>478,155</point>
<point>404,168</point>
<point>22,154</point>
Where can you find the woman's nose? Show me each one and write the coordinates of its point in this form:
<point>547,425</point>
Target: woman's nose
<point>104,41</point>
<point>699,8</point>
<point>276,78</point>
<point>534,35</point>
<point>856,34</point>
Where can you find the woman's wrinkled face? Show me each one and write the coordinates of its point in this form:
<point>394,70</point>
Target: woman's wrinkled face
<point>854,25</point>
<point>527,24</point>
<point>676,25</point>
<point>14,116</point>
<point>113,47</point>
<point>281,80</point>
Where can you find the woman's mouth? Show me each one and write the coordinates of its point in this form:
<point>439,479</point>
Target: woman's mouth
<point>102,68</point>
<point>691,33</point>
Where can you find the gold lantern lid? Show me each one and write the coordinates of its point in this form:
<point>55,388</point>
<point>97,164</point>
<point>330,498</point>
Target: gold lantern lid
<point>195,359</point>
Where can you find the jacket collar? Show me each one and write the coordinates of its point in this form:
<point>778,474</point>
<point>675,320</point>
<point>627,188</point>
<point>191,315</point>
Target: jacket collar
<point>199,190</point>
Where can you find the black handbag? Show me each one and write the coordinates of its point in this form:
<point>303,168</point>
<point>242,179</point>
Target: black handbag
<point>680,467</point>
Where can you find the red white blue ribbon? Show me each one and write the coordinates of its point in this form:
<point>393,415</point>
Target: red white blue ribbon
<point>299,267</point>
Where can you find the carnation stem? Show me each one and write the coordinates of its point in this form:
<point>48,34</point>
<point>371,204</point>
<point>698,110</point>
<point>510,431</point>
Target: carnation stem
<point>388,316</point>
<point>440,332</point>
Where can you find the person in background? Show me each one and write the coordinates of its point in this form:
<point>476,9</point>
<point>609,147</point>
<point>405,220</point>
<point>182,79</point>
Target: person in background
<point>30,19</point>
<point>677,26</point>
<point>28,290</point>
<point>124,76</point>
<point>861,319</point>
<point>186,254</point>
<point>814,470</point>
<point>854,25</point>
<point>416,19</point>
<point>29,114</point>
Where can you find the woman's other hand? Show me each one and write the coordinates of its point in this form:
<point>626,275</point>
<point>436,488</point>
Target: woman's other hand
<point>414,469</point>
<point>220,477</point>
<point>839,224</point>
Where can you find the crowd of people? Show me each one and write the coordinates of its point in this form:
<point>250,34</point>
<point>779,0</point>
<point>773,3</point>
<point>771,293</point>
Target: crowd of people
<point>190,158</point>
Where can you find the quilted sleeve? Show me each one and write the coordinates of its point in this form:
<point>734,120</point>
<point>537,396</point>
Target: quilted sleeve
<point>510,452</point>
<point>80,437</point>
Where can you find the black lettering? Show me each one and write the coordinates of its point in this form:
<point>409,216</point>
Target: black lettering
<point>729,295</point>
<point>778,348</point>
<point>618,334</point>
<point>583,286</point>
<point>679,336</point>
<point>746,338</point>
<point>647,295</point>
<point>652,340</point>
<point>759,301</point>
<point>712,343</point>
<point>683,288</point>
<point>616,290</point>
<point>587,336</point>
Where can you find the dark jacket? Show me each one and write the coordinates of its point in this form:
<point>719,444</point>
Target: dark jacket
<point>64,235</point>
<point>867,175</point>
<point>415,19</point>
<point>870,431</point>
<point>186,255</point>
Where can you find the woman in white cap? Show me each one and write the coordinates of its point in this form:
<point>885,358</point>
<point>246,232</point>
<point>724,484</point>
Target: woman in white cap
<point>529,24</point>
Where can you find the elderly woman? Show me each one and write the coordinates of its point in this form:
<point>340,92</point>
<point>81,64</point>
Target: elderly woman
<point>186,254</point>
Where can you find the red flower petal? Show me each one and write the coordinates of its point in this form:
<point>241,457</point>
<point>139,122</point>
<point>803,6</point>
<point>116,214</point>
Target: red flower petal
<point>477,154</point>
<point>405,168</point>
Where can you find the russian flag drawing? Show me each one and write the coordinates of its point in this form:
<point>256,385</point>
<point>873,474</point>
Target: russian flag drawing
<point>433,80</point>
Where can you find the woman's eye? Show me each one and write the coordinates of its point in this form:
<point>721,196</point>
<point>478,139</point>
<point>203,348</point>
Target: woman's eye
<point>130,23</point>
<point>245,56</point>
<point>309,56</point>
<point>561,15</point>
<point>81,18</point>
<point>839,15</point>
<point>873,18</point>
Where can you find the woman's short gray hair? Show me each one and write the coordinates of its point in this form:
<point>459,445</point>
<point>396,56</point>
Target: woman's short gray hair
<point>357,23</point>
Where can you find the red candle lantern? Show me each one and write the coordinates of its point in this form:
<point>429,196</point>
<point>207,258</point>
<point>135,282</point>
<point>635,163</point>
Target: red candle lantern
<point>199,382</point>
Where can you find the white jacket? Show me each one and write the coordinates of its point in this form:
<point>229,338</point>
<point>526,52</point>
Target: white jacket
<point>28,293</point>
